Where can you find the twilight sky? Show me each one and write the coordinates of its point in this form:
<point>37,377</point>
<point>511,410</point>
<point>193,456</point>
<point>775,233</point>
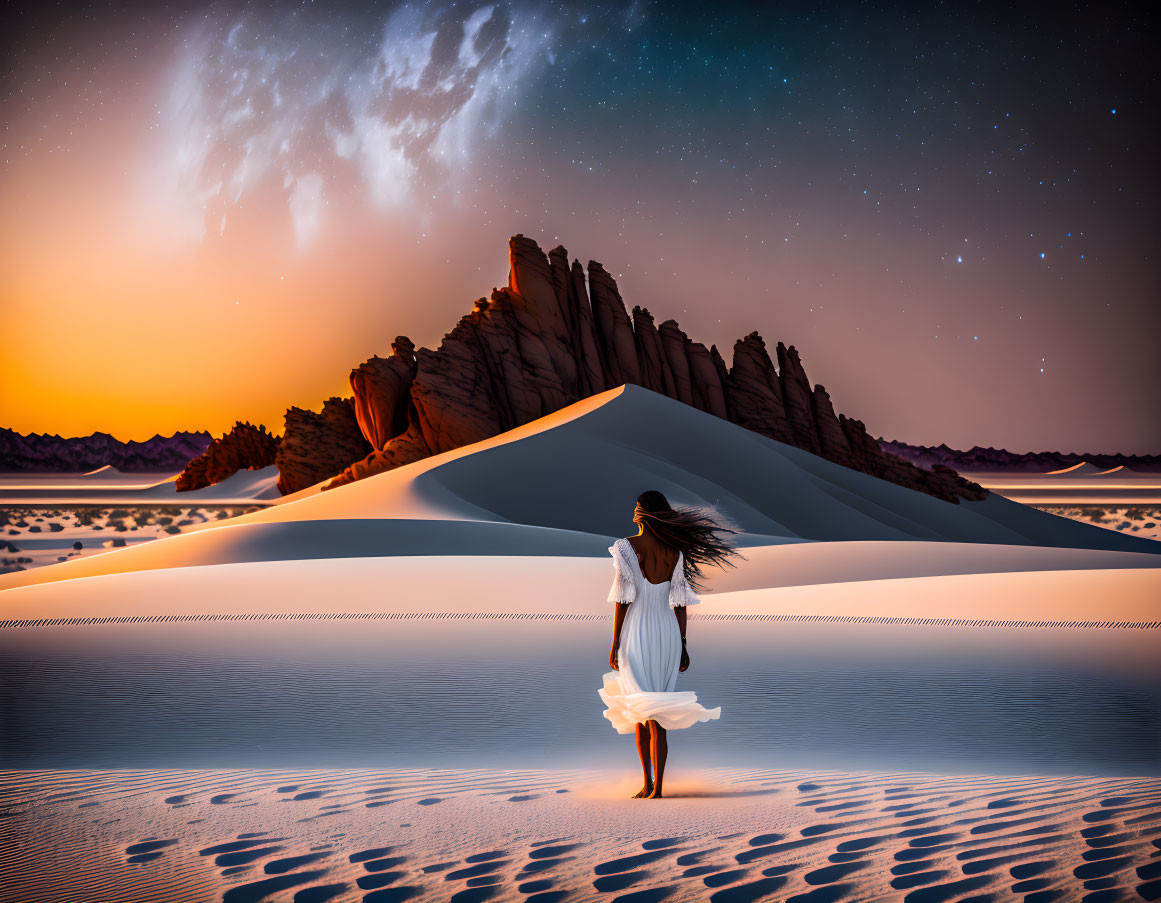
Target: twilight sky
<point>211,212</point>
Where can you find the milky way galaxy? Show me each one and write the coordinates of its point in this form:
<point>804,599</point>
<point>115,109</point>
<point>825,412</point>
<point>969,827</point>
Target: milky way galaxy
<point>334,109</point>
<point>211,212</point>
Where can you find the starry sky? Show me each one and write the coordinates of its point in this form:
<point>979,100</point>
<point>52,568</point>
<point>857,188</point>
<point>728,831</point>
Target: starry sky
<point>209,213</point>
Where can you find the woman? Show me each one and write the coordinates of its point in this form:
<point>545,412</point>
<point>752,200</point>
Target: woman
<point>650,622</point>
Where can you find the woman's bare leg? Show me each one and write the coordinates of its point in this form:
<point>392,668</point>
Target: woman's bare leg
<point>660,748</point>
<point>643,752</point>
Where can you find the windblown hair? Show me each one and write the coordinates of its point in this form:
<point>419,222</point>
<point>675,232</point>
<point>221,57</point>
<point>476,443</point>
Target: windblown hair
<point>691,529</point>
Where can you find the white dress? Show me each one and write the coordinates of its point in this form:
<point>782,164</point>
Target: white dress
<point>649,654</point>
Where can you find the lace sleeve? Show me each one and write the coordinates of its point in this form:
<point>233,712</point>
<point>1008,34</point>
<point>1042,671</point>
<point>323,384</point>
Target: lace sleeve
<point>623,588</point>
<point>680,592</point>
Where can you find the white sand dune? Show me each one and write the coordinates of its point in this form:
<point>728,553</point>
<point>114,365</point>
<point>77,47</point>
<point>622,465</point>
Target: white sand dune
<point>105,472</point>
<point>1083,469</point>
<point>109,486</point>
<point>565,485</point>
<point>839,580</point>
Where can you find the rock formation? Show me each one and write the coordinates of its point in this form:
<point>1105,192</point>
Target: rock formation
<point>547,340</point>
<point>382,389</point>
<point>315,446</point>
<point>245,447</point>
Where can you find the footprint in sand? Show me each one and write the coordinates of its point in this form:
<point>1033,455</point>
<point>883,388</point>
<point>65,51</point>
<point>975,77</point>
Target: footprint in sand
<point>523,798</point>
<point>222,798</point>
<point>430,801</point>
<point>308,795</point>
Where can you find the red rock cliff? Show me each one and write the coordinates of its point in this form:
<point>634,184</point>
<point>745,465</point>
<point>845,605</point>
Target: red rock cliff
<point>548,340</point>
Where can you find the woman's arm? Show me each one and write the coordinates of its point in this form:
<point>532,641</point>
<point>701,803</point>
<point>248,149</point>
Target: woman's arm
<point>618,620</point>
<point>680,611</point>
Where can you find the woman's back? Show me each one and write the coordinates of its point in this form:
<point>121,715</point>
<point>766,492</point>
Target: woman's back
<point>656,559</point>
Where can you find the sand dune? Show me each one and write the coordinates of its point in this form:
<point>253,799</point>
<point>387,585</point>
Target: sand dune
<point>452,586</point>
<point>110,486</point>
<point>1083,469</point>
<point>576,473</point>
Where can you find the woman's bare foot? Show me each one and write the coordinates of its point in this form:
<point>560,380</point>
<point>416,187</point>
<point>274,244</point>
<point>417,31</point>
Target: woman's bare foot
<point>643,793</point>
<point>654,793</point>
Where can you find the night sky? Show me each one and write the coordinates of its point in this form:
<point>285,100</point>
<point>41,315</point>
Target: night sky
<point>212,212</point>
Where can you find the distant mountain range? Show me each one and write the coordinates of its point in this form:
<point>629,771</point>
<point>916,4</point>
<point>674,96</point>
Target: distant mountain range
<point>42,453</point>
<point>979,459</point>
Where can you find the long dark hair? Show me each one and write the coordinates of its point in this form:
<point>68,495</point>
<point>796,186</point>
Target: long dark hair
<point>691,529</point>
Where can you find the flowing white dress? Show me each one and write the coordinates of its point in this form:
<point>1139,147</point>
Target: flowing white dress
<point>649,654</point>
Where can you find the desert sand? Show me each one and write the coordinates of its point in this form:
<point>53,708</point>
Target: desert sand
<point>726,835</point>
<point>980,681</point>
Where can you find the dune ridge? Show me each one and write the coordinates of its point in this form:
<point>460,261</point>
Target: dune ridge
<point>564,483</point>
